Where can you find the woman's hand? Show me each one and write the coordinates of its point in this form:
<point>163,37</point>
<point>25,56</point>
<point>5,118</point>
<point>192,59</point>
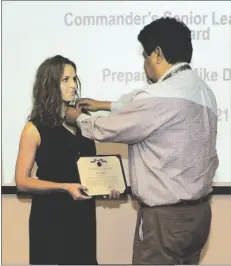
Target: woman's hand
<point>75,191</point>
<point>113,195</point>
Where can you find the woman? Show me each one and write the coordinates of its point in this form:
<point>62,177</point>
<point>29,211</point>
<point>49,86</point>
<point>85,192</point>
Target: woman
<point>62,224</point>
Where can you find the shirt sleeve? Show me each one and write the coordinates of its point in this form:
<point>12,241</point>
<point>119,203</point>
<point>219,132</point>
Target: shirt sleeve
<point>132,124</point>
<point>126,98</point>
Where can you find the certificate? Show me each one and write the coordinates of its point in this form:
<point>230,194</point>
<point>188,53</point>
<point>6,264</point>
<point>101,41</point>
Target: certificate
<point>101,174</point>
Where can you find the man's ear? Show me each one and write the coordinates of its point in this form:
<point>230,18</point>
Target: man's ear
<point>160,54</point>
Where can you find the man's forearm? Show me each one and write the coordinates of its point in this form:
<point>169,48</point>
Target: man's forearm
<point>105,105</point>
<point>110,106</point>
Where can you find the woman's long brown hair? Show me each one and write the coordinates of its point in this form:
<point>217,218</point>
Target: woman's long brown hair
<point>47,97</point>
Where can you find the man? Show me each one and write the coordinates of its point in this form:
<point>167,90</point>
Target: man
<point>170,128</point>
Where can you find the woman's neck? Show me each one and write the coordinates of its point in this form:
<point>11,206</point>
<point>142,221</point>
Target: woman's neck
<point>64,106</point>
<point>71,128</point>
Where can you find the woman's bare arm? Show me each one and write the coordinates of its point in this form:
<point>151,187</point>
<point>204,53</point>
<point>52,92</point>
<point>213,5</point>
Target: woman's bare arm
<point>29,142</point>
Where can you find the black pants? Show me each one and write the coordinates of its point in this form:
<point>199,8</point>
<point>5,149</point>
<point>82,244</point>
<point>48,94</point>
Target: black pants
<point>171,235</point>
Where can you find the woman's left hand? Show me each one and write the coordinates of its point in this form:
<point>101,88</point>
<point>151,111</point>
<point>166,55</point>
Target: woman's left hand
<point>114,195</point>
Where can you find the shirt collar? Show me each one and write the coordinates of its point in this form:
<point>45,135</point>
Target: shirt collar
<point>171,69</point>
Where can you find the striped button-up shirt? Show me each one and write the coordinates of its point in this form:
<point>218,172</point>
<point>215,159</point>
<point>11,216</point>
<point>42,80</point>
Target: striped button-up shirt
<point>170,128</point>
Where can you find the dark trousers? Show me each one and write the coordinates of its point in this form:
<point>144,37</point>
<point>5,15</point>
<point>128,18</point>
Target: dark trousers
<point>173,235</point>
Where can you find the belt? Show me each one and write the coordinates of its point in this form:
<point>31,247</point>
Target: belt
<point>182,202</point>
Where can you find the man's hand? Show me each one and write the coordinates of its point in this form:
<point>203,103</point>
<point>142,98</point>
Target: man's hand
<point>71,115</point>
<point>93,105</point>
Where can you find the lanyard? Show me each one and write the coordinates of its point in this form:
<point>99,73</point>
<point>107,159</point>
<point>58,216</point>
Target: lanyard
<point>175,71</point>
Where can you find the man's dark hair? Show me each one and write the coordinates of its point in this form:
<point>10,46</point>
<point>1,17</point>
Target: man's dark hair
<point>171,35</point>
<point>47,97</point>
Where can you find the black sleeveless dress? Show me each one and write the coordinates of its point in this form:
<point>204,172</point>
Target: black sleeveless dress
<point>62,231</point>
